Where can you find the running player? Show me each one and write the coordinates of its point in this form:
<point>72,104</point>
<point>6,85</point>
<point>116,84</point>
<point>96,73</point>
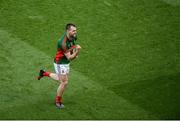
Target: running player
<point>67,50</point>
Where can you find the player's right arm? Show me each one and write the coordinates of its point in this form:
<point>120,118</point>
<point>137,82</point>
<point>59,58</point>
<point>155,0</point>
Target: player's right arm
<point>70,56</point>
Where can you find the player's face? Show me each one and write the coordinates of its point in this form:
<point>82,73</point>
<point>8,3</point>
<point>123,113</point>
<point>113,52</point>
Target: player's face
<point>72,31</point>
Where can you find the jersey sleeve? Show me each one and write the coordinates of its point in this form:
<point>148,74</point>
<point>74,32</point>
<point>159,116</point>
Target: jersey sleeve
<point>62,45</point>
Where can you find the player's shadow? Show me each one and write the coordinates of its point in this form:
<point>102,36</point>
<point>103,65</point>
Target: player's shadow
<point>160,96</point>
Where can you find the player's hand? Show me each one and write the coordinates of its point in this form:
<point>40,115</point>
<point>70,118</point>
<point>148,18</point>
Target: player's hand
<point>78,47</point>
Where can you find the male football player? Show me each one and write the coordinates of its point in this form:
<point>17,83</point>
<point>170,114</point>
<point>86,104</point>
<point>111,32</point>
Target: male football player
<point>67,50</point>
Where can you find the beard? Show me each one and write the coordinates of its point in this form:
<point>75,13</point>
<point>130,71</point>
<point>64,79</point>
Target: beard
<point>73,36</point>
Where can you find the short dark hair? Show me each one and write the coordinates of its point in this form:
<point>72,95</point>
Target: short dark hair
<point>68,26</point>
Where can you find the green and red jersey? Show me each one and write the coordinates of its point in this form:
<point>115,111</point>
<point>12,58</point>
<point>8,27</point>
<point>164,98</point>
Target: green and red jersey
<point>64,45</point>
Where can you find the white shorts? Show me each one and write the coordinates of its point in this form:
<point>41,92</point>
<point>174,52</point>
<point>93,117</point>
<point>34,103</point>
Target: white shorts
<point>61,69</point>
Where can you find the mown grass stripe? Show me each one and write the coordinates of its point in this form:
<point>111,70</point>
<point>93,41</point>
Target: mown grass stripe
<point>84,98</point>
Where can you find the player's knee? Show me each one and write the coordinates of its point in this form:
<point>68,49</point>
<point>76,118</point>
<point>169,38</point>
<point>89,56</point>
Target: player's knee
<point>64,79</point>
<point>64,83</point>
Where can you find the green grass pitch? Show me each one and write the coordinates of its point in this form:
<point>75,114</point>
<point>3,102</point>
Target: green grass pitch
<point>129,66</point>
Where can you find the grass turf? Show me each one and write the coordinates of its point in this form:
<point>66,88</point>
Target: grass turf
<point>128,67</point>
